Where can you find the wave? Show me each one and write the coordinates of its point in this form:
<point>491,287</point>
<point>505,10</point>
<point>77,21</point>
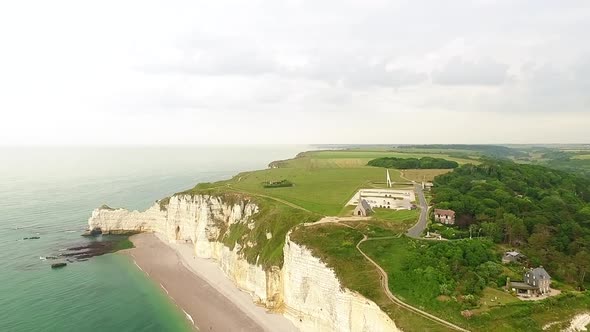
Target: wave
<point>189,317</point>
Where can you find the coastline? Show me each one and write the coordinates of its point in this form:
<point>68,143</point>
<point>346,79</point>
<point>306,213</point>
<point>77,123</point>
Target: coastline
<point>208,299</point>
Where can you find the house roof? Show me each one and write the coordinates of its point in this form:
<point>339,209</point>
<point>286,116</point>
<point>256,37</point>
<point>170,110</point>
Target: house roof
<point>540,273</point>
<point>512,253</point>
<point>363,202</point>
<point>521,285</point>
<point>442,212</point>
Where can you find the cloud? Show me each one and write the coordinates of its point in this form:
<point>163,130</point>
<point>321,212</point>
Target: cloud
<point>232,58</point>
<point>357,72</point>
<point>230,64</point>
<point>461,72</point>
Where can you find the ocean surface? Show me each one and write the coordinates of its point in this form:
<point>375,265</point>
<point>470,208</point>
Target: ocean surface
<point>50,193</point>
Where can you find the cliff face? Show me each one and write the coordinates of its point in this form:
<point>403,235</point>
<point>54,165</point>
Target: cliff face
<point>306,290</point>
<point>315,300</point>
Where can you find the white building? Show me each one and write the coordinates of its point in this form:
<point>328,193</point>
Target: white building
<point>385,198</point>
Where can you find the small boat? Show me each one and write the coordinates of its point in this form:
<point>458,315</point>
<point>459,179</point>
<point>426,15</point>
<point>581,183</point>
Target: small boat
<point>58,265</point>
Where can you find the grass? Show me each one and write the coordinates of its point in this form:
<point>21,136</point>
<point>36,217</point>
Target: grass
<point>323,181</point>
<point>274,218</point>
<point>355,158</point>
<point>420,175</point>
<point>397,215</point>
<point>582,156</point>
<point>321,190</point>
<point>390,223</point>
<point>493,297</point>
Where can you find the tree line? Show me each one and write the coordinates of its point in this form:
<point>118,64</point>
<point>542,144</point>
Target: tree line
<point>543,212</point>
<point>413,163</point>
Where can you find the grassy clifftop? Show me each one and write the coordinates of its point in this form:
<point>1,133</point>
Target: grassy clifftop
<point>323,181</point>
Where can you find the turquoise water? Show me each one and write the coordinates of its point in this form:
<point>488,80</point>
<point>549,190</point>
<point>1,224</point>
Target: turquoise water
<point>50,193</point>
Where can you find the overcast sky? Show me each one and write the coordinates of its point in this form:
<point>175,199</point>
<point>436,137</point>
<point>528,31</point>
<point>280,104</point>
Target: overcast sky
<point>366,71</point>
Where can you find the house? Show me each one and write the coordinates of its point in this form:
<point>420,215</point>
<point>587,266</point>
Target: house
<point>536,282</point>
<point>538,277</point>
<point>363,208</point>
<point>444,216</point>
<point>512,257</point>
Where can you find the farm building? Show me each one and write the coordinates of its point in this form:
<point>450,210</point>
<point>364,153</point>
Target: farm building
<point>512,257</point>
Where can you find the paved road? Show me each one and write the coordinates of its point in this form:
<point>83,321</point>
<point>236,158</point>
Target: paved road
<point>420,226</point>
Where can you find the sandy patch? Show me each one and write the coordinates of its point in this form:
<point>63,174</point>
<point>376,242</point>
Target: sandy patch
<point>209,300</point>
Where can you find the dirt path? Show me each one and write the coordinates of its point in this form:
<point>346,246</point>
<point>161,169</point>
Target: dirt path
<point>384,277</point>
<point>396,300</point>
<point>270,197</point>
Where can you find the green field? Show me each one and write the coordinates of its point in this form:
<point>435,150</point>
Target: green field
<point>420,175</point>
<point>354,158</point>
<point>323,181</point>
<point>321,190</point>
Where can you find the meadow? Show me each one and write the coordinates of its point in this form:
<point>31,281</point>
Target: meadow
<point>323,181</point>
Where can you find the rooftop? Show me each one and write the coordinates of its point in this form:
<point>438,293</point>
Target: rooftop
<point>540,273</point>
<point>365,204</point>
<point>521,285</point>
<point>442,212</point>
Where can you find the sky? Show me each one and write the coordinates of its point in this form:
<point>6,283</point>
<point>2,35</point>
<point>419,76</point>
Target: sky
<point>294,72</point>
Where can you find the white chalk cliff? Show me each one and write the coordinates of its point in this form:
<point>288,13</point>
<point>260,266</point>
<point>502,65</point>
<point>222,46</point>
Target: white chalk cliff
<point>305,290</point>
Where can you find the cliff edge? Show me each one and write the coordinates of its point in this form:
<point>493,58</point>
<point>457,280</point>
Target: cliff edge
<point>257,254</point>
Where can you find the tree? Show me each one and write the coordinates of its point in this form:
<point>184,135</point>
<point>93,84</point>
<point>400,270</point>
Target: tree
<point>492,229</point>
<point>582,261</point>
<point>515,229</point>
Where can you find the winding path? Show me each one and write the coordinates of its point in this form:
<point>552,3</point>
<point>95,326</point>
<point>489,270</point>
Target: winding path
<point>383,275</point>
<point>385,285</point>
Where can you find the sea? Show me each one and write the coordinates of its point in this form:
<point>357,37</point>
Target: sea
<point>50,192</point>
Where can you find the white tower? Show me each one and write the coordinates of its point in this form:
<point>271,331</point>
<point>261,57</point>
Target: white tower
<point>389,183</point>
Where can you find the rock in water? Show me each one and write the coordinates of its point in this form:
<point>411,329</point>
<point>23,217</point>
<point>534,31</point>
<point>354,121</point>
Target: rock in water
<point>93,232</point>
<point>58,265</point>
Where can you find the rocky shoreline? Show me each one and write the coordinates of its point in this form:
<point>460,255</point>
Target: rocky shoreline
<point>95,245</point>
